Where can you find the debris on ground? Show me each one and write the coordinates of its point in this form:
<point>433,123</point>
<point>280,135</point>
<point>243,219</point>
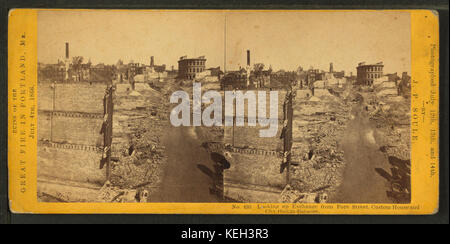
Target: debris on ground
<point>140,121</point>
<point>110,193</point>
<point>135,94</point>
<point>290,195</point>
<point>318,126</point>
<point>391,116</point>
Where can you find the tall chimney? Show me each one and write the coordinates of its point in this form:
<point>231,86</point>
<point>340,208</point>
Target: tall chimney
<point>67,62</point>
<point>331,67</point>
<point>152,61</point>
<point>248,57</point>
<point>248,68</point>
<point>67,50</point>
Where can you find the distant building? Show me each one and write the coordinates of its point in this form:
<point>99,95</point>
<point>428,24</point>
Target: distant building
<point>282,79</point>
<point>154,71</point>
<point>367,73</point>
<point>100,73</point>
<point>189,67</point>
<point>234,80</point>
<point>216,72</point>
<point>351,78</point>
<point>155,68</point>
<point>312,75</point>
<point>404,86</point>
<point>173,73</point>
<point>302,82</point>
<point>52,72</point>
<point>393,77</point>
<point>76,71</point>
<point>339,74</point>
<point>135,69</point>
<point>336,74</point>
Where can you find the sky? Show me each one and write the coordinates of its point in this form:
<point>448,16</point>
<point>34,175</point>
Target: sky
<point>281,39</point>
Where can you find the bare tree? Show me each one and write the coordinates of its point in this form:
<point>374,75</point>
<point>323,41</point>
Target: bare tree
<point>258,69</point>
<point>76,62</point>
<point>76,66</point>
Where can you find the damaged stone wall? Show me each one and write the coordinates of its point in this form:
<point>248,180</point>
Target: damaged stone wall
<point>254,174</point>
<point>73,128</point>
<point>70,117</point>
<point>74,97</point>
<point>70,113</point>
<point>72,165</point>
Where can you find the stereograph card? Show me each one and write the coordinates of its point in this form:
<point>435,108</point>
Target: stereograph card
<point>223,111</point>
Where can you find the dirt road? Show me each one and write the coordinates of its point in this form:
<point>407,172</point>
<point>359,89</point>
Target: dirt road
<point>187,175</point>
<point>361,183</point>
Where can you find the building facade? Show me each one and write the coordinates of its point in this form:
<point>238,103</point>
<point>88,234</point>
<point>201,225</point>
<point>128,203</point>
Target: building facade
<point>234,80</point>
<point>189,67</point>
<point>52,72</point>
<point>311,76</point>
<point>367,73</point>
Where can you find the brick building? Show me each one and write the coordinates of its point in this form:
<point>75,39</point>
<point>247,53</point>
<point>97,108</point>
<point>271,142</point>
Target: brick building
<point>189,67</point>
<point>367,73</point>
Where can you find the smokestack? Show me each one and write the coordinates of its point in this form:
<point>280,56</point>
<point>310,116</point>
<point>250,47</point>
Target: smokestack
<point>67,50</point>
<point>67,62</point>
<point>331,67</point>
<point>248,68</point>
<point>152,61</point>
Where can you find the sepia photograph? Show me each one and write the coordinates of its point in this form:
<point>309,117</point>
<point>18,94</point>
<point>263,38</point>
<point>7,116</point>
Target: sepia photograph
<point>223,106</point>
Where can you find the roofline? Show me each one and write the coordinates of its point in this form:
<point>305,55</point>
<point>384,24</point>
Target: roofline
<point>365,65</point>
<point>191,59</point>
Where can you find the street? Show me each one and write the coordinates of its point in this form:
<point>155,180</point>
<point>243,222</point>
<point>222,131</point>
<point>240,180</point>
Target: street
<point>362,184</point>
<point>188,175</point>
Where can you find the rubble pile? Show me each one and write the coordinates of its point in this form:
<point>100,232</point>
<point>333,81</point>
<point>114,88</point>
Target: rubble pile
<point>211,134</point>
<point>393,123</point>
<point>110,193</point>
<point>138,157</point>
<point>318,162</point>
<point>290,195</point>
<point>392,117</point>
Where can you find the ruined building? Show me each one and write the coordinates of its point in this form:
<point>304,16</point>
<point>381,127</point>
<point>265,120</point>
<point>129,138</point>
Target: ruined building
<point>257,172</point>
<point>155,68</point>
<point>367,73</point>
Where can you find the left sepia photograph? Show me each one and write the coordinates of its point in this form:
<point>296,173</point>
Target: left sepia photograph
<point>104,82</point>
